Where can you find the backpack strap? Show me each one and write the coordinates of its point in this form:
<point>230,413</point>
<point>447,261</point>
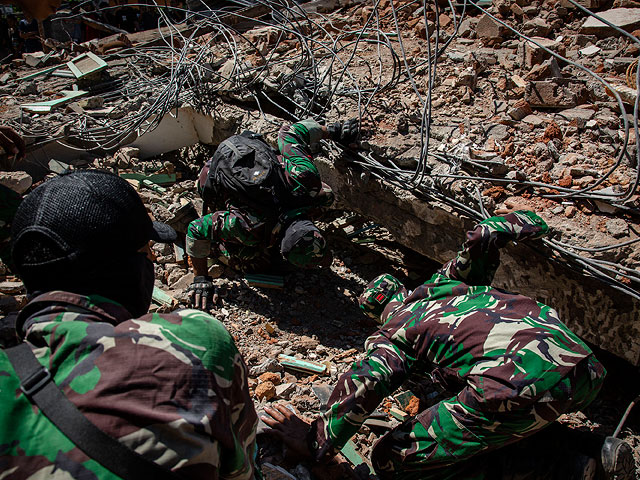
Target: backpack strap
<point>36,383</point>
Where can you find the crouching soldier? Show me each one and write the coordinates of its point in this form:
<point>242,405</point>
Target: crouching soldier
<point>249,242</point>
<point>511,365</point>
<point>268,197</point>
<point>98,389</point>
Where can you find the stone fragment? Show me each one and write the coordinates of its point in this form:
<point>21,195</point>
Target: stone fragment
<point>617,227</point>
<point>19,182</point>
<point>583,114</point>
<point>534,54</point>
<point>215,270</point>
<point>306,343</point>
<point>547,69</point>
<point>488,29</point>
<point>183,283</point>
<point>265,391</point>
<point>534,120</point>
<point>272,377</point>
<point>625,18</point>
<point>570,211</point>
<point>467,28</point>
<point>11,288</point>
<point>93,103</point>
<point>555,93</point>
<point>589,51</point>
<point>269,365</point>
<point>27,88</point>
<point>285,390</point>
<point>467,78</point>
<point>536,27</point>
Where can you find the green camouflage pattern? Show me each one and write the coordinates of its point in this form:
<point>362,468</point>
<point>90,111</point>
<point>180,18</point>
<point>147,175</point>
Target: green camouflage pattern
<point>511,364</point>
<point>309,251</point>
<point>248,241</point>
<point>172,387</point>
<point>239,237</point>
<point>380,292</point>
<point>294,143</point>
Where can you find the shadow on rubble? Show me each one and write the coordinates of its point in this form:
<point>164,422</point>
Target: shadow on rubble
<point>324,302</point>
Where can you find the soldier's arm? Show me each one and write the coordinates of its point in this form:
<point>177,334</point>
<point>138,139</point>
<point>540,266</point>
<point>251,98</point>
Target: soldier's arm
<point>357,394</point>
<point>477,262</point>
<point>198,240</point>
<point>294,143</point>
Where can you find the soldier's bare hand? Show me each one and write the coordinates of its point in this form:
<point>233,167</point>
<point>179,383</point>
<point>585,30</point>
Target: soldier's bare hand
<point>288,427</point>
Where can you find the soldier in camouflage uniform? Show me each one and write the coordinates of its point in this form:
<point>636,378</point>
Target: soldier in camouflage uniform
<point>513,367</point>
<point>171,387</point>
<point>248,240</point>
<point>294,142</point>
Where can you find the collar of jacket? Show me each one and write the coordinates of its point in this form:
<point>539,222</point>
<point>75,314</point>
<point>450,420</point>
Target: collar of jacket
<point>58,302</point>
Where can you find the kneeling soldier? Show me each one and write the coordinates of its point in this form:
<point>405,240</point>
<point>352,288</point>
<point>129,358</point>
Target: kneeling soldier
<point>513,367</point>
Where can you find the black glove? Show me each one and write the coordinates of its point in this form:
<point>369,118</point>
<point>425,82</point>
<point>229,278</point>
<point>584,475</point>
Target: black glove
<point>202,293</point>
<point>345,133</point>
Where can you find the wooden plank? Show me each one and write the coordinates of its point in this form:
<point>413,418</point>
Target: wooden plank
<point>161,297</point>
<point>86,64</point>
<point>265,281</point>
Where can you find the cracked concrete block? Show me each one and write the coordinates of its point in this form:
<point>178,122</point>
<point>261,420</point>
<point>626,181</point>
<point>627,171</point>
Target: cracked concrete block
<point>19,182</point>
<point>555,94</point>
<point>625,18</point>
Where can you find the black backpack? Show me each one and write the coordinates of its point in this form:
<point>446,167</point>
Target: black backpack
<point>245,169</point>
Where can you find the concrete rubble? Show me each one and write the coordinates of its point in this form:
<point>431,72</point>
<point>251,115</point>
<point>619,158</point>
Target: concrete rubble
<point>513,123</point>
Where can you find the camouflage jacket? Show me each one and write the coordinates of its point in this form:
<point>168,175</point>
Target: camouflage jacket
<point>500,350</point>
<point>234,232</point>
<point>172,387</point>
<point>237,232</point>
<point>294,143</point>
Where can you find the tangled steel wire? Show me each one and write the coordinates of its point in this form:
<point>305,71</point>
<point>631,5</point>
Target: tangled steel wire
<point>302,65</point>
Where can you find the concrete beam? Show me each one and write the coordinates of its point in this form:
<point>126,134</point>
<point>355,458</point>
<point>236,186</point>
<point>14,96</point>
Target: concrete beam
<point>596,312</point>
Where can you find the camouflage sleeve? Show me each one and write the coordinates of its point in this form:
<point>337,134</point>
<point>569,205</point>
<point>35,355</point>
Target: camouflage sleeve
<point>294,142</point>
<point>198,240</point>
<point>477,262</point>
<point>358,393</point>
<point>233,226</point>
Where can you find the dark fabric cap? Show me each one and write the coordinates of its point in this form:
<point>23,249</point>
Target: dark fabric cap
<point>302,244</point>
<point>82,216</point>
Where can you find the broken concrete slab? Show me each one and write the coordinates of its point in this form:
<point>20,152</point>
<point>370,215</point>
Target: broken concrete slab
<point>627,19</point>
<point>583,114</point>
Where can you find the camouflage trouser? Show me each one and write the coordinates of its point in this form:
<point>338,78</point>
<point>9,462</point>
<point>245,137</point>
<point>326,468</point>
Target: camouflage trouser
<point>443,441</point>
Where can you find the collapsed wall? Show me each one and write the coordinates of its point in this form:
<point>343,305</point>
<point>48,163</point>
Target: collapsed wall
<point>594,310</point>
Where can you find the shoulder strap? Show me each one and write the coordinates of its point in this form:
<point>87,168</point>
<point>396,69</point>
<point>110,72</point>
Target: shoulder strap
<point>36,383</point>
